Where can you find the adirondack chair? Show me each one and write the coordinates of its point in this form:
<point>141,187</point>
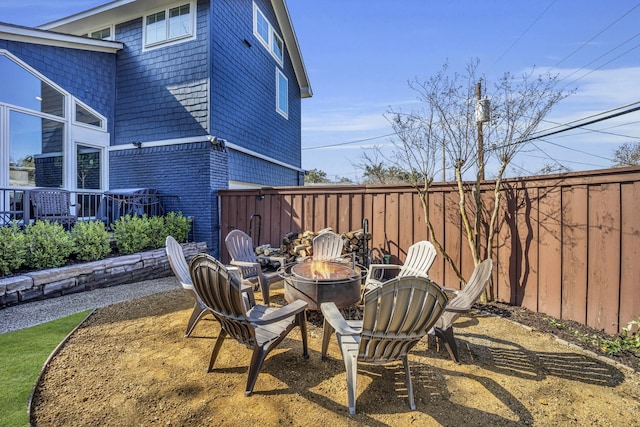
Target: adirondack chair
<point>461,303</point>
<point>419,259</point>
<point>261,328</point>
<point>327,246</point>
<point>396,316</point>
<point>53,204</point>
<point>240,247</point>
<point>180,269</point>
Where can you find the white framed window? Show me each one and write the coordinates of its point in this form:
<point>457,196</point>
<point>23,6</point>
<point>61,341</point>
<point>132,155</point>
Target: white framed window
<point>171,25</point>
<point>39,122</point>
<point>267,35</point>
<point>85,116</point>
<point>282,94</point>
<point>102,34</point>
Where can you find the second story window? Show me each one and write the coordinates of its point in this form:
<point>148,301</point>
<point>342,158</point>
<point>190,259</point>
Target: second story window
<point>282,94</point>
<point>267,35</point>
<point>103,34</point>
<point>169,25</point>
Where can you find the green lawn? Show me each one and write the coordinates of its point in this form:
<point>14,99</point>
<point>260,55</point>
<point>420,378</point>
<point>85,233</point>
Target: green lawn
<point>22,355</point>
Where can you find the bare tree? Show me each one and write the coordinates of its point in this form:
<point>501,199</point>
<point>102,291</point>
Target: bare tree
<point>627,154</point>
<point>445,135</point>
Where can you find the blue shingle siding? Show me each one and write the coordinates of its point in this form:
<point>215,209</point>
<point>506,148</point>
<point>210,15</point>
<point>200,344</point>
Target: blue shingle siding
<point>162,93</point>
<point>89,76</point>
<point>194,172</point>
<point>243,88</point>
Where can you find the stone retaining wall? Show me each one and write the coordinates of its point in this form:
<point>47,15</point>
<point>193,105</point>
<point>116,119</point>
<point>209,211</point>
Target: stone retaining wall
<point>104,273</point>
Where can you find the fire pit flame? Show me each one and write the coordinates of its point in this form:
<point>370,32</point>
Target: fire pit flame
<point>323,270</point>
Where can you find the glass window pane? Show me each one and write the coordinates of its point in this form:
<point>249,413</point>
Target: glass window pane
<point>27,90</point>
<point>179,21</point>
<point>278,46</point>
<point>85,116</point>
<point>262,27</point>
<point>283,94</point>
<point>101,34</point>
<point>156,30</point>
<point>88,167</point>
<point>35,151</point>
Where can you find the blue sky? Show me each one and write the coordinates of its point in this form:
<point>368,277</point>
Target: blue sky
<point>360,55</point>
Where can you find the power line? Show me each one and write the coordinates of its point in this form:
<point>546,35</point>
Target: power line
<point>523,34</point>
<point>339,144</point>
<point>577,150</point>
<point>610,116</point>
<point>604,54</point>
<point>596,36</point>
<point>597,68</point>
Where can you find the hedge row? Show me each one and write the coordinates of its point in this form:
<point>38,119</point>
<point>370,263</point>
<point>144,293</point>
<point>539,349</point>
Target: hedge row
<point>44,244</point>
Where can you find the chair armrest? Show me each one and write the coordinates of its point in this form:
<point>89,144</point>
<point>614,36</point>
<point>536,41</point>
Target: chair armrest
<point>280,314</point>
<point>457,309</point>
<point>451,290</point>
<point>333,316</point>
<point>245,264</point>
<point>374,268</point>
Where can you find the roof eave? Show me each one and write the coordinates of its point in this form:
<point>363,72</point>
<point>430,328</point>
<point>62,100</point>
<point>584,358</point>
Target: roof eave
<point>50,38</point>
<point>291,41</point>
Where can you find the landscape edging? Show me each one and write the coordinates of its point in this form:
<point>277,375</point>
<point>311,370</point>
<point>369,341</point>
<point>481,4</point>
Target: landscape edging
<point>55,282</point>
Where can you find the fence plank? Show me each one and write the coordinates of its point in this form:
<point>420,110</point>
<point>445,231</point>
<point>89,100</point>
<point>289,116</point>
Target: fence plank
<point>630,254</point>
<point>549,230</point>
<point>574,253</point>
<point>604,257</point>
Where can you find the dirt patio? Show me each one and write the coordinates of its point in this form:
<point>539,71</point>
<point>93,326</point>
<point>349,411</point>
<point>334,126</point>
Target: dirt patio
<point>129,364</point>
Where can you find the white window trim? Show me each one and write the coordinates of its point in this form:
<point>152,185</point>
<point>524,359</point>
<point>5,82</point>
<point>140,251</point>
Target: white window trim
<point>284,114</point>
<point>267,44</point>
<point>193,12</point>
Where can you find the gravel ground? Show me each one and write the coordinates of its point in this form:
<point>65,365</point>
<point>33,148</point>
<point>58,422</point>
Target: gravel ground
<point>34,313</point>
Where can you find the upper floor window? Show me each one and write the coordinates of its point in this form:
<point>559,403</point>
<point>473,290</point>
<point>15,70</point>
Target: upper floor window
<point>87,117</point>
<point>103,34</point>
<point>282,94</point>
<point>24,89</point>
<point>267,35</point>
<point>169,25</point>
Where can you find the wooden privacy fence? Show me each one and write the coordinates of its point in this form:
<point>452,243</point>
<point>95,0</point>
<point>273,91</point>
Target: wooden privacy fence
<point>566,245</point>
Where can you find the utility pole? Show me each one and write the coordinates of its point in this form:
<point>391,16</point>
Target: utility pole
<point>480,120</point>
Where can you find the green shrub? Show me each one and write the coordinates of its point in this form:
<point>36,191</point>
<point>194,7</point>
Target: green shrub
<point>90,240</point>
<point>177,226</point>
<point>13,248</point>
<point>49,245</point>
<point>156,232</point>
<point>130,234</point>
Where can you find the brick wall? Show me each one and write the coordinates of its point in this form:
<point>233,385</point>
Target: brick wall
<point>194,172</point>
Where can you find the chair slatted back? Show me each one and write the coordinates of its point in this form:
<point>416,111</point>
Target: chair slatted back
<point>177,261</point>
<point>327,246</point>
<point>470,294</point>
<point>396,316</point>
<point>240,247</point>
<point>220,292</point>
<point>419,259</point>
<point>50,203</point>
